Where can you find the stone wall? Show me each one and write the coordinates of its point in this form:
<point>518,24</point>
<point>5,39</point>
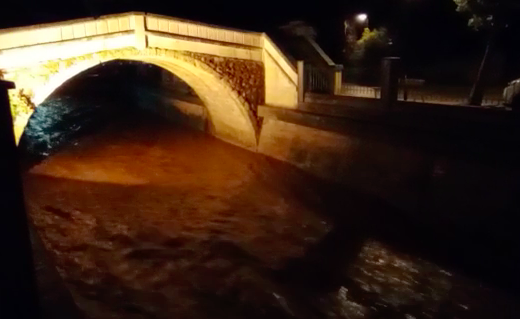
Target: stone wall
<point>246,77</point>
<point>281,78</point>
<point>439,179</point>
<point>281,90</point>
<point>180,110</point>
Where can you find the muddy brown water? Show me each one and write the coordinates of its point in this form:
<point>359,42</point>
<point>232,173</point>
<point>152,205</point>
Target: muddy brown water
<point>146,220</point>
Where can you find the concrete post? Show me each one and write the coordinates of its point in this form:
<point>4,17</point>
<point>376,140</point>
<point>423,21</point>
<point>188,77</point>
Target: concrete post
<point>331,74</point>
<point>301,81</point>
<point>141,41</point>
<point>18,294</point>
<point>338,79</point>
<point>390,81</point>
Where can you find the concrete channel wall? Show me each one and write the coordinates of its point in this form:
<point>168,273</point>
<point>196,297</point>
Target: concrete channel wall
<point>462,170</point>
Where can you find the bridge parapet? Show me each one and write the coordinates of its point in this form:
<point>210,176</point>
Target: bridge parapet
<point>65,31</point>
<point>202,31</point>
<point>113,24</point>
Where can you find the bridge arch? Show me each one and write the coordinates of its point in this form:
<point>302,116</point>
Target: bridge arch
<point>231,117</point>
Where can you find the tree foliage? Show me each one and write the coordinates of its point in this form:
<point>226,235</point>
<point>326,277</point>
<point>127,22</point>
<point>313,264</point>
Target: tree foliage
<point>299,28</point>
<point>364,55</point>
<point>20,102</point>
<point>370,48</point>
<point>491,16</point>
<point>487,14</point>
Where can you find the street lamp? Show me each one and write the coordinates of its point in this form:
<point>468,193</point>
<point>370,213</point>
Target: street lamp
<point>354,25</point>
<point>362,19</point>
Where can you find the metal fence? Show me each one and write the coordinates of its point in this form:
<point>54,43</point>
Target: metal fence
<point>448,96</point>
<point>319,80</point>
<point>426,94</point>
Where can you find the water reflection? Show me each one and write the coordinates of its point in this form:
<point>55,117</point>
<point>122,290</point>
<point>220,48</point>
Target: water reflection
<point>60,120</point>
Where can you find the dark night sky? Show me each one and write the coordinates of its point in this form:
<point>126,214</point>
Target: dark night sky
<point>427,30</point>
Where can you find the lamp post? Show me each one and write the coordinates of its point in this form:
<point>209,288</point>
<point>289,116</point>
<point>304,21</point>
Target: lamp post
<point>359,20</point>
<point>362,19</point>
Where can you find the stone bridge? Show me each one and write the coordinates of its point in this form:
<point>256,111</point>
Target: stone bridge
<point>232,71</point>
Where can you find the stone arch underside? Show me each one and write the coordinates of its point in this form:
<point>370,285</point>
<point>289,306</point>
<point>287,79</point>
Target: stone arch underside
<point>231,112</point>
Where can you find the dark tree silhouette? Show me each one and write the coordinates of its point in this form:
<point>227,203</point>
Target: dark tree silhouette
<point>491,17</point>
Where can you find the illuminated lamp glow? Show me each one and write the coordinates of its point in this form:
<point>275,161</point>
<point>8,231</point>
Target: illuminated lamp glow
<point>362,18</point>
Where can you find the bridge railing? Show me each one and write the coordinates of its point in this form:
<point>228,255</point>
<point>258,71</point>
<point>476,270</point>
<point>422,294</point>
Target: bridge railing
<point>318,80</point>
<point>314,79</point>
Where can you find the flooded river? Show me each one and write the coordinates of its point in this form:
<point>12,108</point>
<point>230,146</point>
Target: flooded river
<point>144,219</point>
<point>147,221</point>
